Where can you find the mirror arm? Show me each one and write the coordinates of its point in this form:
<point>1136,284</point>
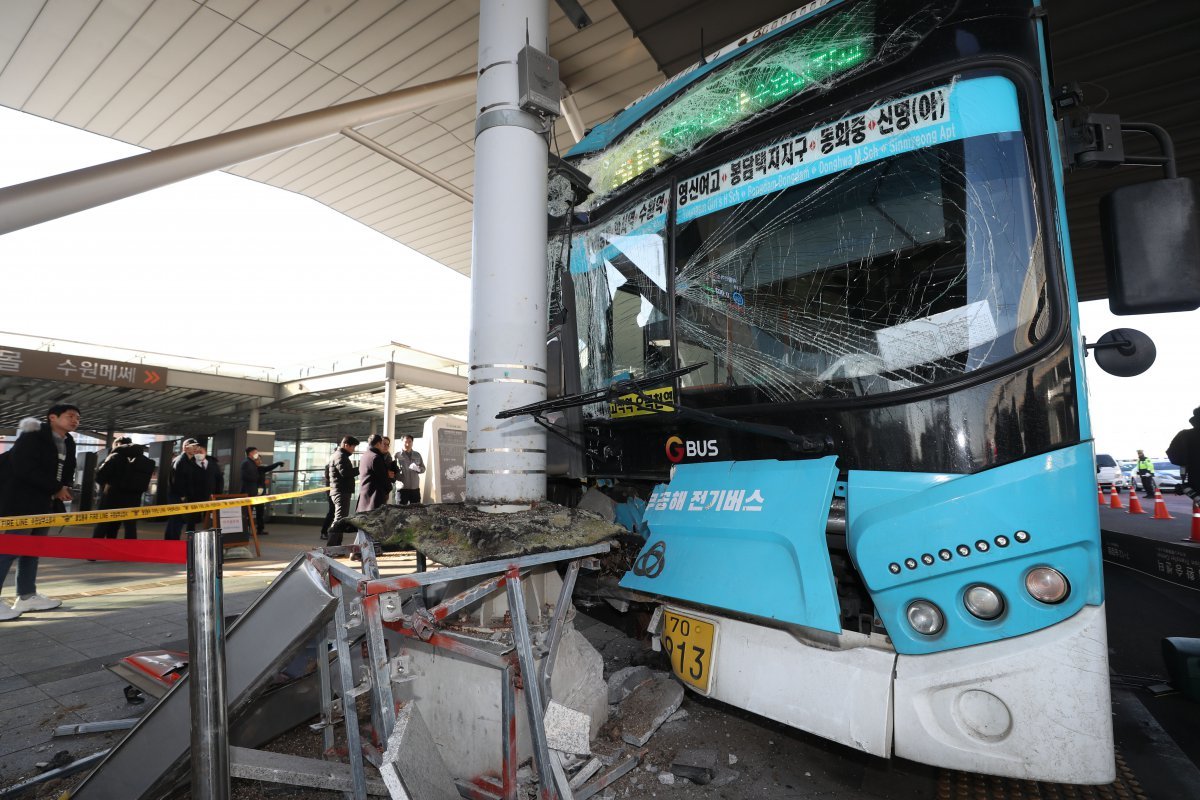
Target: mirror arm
<point>1166,160</point>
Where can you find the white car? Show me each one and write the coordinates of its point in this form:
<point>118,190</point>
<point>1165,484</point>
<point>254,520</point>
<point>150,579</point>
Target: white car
<point>1108,473</point>
<point>1166,475</point>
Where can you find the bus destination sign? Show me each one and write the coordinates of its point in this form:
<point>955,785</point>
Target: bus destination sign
<point>15,361</point>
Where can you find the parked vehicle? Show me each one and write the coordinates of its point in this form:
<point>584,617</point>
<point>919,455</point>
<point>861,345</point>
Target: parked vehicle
<point>1109,472</point>
<point>1168,476</point>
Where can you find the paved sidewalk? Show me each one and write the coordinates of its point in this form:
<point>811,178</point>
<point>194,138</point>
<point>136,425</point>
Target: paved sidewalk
<point>52,662</point>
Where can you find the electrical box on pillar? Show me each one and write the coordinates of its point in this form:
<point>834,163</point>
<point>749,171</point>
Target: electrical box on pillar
<point>538,88</point>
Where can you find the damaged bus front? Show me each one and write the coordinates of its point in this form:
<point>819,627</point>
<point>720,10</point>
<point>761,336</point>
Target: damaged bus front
<point>823,288</point>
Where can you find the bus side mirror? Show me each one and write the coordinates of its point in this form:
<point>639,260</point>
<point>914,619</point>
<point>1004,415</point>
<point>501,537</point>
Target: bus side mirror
<point>1124,352</point>
<point>1151,234</point>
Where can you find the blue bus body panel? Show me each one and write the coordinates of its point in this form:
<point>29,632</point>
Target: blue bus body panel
<point>746,536</point>
<point>905,532</point>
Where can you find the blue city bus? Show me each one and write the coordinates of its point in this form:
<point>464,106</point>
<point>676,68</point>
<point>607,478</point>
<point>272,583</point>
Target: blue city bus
<point>817,314</point>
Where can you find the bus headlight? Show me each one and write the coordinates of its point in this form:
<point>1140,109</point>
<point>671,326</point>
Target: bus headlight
<point>983,601</point>
<point>1047,585</point>
<point>925,617</point>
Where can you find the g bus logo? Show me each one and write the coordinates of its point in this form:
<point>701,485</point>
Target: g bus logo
<point>678,449</point>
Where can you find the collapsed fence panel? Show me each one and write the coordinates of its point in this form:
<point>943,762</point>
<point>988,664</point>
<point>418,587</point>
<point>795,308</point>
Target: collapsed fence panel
<point>153,757</point>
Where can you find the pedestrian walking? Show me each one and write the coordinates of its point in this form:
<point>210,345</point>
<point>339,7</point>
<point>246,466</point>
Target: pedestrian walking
<point>41,471</point>
<point>374,485</point>
<point>340,473</point>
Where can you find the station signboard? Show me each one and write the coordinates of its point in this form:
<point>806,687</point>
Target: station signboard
<point>16,361</point>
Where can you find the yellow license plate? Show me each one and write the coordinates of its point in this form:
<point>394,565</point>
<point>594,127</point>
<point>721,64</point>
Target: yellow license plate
<point>689,644</point>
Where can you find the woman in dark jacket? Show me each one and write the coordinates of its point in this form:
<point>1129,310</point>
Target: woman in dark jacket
<point>374,483</point>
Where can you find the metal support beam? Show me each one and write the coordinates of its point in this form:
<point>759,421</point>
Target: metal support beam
<point>411,166</point>
<point>206,667</point>
<point>529,678</point>
<point>57,196</point>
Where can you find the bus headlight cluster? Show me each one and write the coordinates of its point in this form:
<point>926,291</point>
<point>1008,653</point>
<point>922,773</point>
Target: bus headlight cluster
<point>983,602</point>
<point>925,617</point>
<point>1047,585</point>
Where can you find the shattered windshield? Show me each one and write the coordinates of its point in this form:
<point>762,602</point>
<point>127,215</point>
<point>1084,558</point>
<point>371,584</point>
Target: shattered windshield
<point>893,248</point>
<point>888,250</point>
<point>619,271</point>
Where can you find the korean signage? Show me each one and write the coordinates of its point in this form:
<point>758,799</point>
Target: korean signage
<point>1177,563</point>
<point>942,114</point>
<point>647,401</point>
<point>15,361</point>
<point>664,499</point>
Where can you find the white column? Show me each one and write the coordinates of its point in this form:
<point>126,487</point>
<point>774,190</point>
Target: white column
<point>389,404</point>
<point>253,425</point>
<point>506,459</point>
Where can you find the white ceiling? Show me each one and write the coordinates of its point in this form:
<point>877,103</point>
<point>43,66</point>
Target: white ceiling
<point>160,72</point>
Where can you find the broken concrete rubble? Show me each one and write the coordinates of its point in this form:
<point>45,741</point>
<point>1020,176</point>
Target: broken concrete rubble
<point>566,729</point>
<point>649,707</point>
<point>456,534</point>
<point>578,680</point>
<point>698,766</point>
<point>622,682</point>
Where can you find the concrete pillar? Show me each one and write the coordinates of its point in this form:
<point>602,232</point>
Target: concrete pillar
<point>506,460</point>
<point>389,404</point>
<point>253,419</point>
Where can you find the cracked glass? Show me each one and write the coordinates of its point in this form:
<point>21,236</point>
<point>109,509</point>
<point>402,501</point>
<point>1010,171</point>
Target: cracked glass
<point>892,248</point>
<point>904,272</point>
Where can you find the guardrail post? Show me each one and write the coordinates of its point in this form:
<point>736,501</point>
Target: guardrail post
<point>206,668</point>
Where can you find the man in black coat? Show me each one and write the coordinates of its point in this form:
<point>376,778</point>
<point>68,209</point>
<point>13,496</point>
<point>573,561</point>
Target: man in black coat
<point>374,482</point>
<point>189,484</point>
<point>123,477</point>
<point>1184,450</point>
<point>254,483</point>
<point>340,474</point>
<point>41,470</point>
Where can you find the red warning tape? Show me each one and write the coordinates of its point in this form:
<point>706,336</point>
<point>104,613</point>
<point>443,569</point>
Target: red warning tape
<point>150,551</point>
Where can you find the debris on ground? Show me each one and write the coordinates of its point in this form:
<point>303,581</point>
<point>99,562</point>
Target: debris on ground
<point>698,766</point>
<point>454,534</point>
<point>648,707</point>
<point>567,730</point>
<point>624,681</point>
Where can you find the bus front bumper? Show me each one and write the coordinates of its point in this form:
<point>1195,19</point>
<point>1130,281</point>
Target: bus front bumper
<point>1034,707</point>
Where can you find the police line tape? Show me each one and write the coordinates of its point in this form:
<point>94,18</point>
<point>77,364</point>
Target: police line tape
<point>146,512</point>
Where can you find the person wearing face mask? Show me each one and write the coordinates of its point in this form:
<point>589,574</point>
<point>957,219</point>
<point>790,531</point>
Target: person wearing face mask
<point>214,478</point>
<point>187,486</point>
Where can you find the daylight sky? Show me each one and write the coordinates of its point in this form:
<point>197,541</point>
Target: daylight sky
<point>223,268</point>
<point>217,267</point>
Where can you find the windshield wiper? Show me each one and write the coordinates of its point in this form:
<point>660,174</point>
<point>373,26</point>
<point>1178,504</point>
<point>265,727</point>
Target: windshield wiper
<point>609,392</point>
<point>810,445</point>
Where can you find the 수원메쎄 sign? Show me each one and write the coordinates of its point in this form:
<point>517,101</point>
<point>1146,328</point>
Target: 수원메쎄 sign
<point>80,369</point>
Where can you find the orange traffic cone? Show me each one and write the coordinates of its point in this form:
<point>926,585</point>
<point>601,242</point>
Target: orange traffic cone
<point>1100,491</point>
<point>1135,505</point>
<point>1195,524</point>
<point>1160,507</point>
<point>1116,498</point>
